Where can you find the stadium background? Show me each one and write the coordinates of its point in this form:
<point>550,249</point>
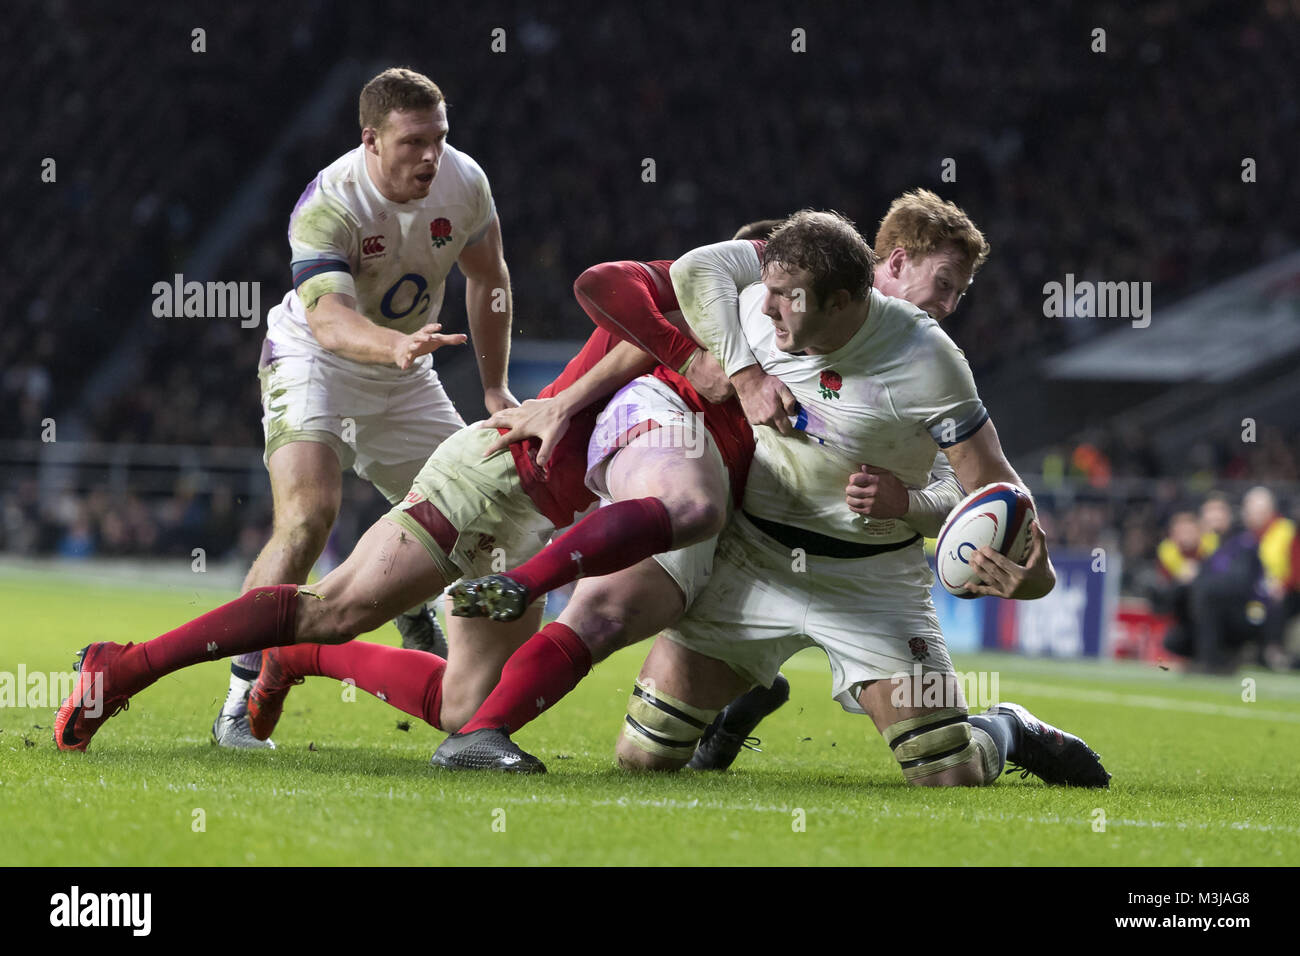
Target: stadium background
<point>1116,166</point>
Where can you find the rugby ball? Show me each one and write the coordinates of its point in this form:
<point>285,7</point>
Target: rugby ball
<point>997,515</point>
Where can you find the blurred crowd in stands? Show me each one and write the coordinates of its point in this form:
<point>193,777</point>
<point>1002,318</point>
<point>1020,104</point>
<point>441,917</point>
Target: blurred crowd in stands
<point>1071,161</point>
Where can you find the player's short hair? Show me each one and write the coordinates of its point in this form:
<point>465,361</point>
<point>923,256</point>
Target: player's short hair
<point>397,88</point>
<point>759,229</point>
<point>920,222</point>
<point>829,248</point>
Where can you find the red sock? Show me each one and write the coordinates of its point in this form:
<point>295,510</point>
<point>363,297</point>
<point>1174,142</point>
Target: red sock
<point>409,680</point>
<point>614,537</point>
<point>548,666</point>
<point>261,618</point>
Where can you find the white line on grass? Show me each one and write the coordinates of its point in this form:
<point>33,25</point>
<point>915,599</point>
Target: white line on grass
<point>927,813</point>
<point>1015,685</point>
<point>1155,703</point>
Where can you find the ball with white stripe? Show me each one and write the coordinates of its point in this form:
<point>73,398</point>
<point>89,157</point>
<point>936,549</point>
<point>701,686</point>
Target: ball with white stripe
<point>996,516</point>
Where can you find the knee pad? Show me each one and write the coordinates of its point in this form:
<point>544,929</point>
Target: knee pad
<point>662,725</point>
<point>931,743</point>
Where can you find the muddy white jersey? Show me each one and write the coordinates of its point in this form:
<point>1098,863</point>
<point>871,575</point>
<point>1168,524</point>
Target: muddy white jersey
<point>887,398</point>
<point>392,258</point>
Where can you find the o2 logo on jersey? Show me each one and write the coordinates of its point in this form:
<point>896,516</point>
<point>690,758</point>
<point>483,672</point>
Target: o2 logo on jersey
<point>440,232</point>
<point>419,297</point>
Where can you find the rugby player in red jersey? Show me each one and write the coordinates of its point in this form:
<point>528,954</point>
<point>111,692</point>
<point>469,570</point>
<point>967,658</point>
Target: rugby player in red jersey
<point>469,503</point>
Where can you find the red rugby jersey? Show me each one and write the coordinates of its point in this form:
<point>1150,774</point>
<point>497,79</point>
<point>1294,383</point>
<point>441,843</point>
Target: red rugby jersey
<point>560,492</point>
<point>627,300</point>
<point>630,299</point>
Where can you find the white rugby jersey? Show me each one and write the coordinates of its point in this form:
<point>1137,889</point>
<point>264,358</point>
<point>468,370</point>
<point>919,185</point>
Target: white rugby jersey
<point>889,396</point>
<point>393,258</point>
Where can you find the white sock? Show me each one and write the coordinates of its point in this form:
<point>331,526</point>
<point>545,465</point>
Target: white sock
<point>236,704</point>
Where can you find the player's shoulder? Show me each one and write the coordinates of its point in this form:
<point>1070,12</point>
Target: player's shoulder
<point>912,326</point>
<point>326,210</point>
<point>460,163</point>
<point>342,174</point>
<point>336,185</point>
<point>899,315</point>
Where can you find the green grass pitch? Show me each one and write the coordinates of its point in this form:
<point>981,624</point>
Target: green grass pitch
<point>1202,777</point>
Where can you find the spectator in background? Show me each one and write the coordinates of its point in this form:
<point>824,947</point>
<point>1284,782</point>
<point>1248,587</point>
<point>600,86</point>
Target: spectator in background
<point>1216,519</point>
<point>1276,536</point>
<point>1225,605</point>
<point>1179,555</point>
<point>1178,561</point>
<point>1278,546</point>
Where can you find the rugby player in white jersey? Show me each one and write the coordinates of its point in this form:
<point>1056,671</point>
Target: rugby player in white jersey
<point>927,252</point>
<point>346,369</point>
<point>803,333</point>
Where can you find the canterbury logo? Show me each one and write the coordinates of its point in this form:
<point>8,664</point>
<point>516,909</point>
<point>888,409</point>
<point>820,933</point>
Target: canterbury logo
<point>372,245</point>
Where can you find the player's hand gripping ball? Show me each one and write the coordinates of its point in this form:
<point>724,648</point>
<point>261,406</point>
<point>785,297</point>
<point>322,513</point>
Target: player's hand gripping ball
<point>996,516</point>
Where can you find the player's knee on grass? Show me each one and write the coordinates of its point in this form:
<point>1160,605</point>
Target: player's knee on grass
<point>936,749</point>
<point>634,760</point>
<point>659,732</point>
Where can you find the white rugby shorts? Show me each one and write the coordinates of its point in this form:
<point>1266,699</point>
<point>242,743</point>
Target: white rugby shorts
<point>382,424</point>
<point>872,616</point>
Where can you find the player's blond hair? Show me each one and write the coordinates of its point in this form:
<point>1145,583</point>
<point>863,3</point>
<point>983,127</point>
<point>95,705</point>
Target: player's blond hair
<point>920,222</point>
<point>397,88</point>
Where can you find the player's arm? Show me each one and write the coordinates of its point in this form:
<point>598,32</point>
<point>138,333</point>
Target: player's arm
<point>978,460</point>
<point>708,281</point>
<point>489,307</point>
<point>633,301</point>
<point>340,328</point>
<point>548,418</point>
<point>877,493</point>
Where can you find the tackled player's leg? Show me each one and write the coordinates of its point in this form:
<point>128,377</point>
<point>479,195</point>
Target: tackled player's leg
<point>388,571</point>
<point>443,692</point>
<point>679,469</point>
<point>605,614</point>
<point>678,693</point>
<point>659,469</point>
